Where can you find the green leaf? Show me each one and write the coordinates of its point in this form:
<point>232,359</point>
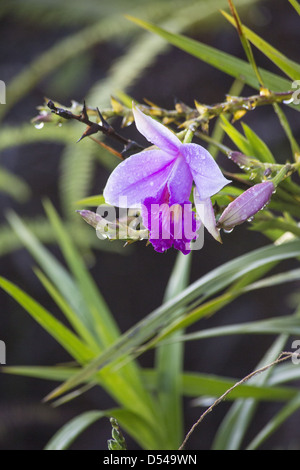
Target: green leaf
<point>244,40</point>
<point>169,361</point>
<point>251,144</point>
<point>208,385</point>
<point>191,384</point>
<point>296,5</point>
<point>218,132</point>
<point>289,67</point>
<point>260,149</point>
<point>205,287</point>
<point>287,325</point>
<point>286,127</point>
<point>81,295</point>
<point>92,201</point>
<point>69,313</point>
<point>234,426</point>
<point>56,373</point>
<point>103,323</point>
<point>55,328</point>
<point>235,67</point>
<point>13,186</point>
<point>57,274</point>
<point>63,439</point>
<point>288,410</point>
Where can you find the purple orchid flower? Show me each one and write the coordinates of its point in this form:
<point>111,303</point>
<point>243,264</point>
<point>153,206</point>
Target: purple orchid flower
<point>163,175</point>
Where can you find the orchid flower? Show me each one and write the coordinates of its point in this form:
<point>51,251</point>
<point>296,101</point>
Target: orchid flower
<point>163,176</point>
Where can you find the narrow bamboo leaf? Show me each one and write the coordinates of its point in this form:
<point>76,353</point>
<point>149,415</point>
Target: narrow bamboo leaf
<point>103,323</point>
<point>284,373</point>
<point>56,373</point>
<point>92,201</point>
<point>286,127</point>
<point>260,150</point>
<point>63,439</point>
<point>240,141</point>
<point>288,410</point>
<point>55,271</point>
<point>244,41</point>
<point>206,385</point>
<point>14,186</point>
<point>69,313</point>
<point>218,132</point>
<point>251,144</point>
<point>191,384</point>
<point>237,68</point>
<point>169,361</point>
<point>55,328</point>
<point>206,286</point>
<point>125,385</point>
<point>235,424</point>
<point>289,67</point>
<point>296,5</point>
<point>212,306</point>
<point>287,325</point>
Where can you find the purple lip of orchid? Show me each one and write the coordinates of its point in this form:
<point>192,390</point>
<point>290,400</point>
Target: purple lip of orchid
<point>164,173</point>
<point>246,205</point>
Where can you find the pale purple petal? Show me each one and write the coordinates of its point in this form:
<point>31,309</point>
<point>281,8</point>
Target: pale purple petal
<point>156,133</point>
<point>142,175</point>
<point>206,173</point>
<point>180,182</point>
<point>206,214</point>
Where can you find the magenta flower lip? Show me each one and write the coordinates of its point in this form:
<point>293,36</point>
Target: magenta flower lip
<point>164,173</point>
<point>246,205</point>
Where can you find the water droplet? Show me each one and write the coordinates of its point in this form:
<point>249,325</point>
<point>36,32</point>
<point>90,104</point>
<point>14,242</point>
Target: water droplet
<point>250,219</point>
<point>227,230</point>
<point>291,100</point>
<point>39,125</point>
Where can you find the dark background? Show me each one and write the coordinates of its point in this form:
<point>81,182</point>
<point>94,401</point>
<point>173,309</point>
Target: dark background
<point>133,285</point>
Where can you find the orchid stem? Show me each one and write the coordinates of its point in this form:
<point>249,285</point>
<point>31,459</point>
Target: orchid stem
<point>188,136</point>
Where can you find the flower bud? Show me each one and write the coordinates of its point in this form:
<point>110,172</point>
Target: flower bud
<point>246,205</point>
<point>243,161</point>
<point>90,217</point>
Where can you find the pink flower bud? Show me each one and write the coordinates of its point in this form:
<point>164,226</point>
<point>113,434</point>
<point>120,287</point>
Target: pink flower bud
<point>246,205</point>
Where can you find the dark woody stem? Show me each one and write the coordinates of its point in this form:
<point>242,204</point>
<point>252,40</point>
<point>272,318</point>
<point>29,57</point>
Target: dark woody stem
<point>94,127</point>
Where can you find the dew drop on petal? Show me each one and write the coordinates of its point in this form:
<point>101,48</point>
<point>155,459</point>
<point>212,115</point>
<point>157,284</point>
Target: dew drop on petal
<point>40,125</point>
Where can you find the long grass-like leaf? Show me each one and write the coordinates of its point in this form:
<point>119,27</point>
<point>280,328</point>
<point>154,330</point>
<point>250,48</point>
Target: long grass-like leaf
<point>288,410</point>
<point>13,186</point>
<point>232,66</point>
<point>232,431</point>
<point>296,5</point>
<point>192,384</point>
<point>62,334</point>
<point>207,286</point>
<point>291,68</point>
<point>169,361</point>
<point>63,439</point>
